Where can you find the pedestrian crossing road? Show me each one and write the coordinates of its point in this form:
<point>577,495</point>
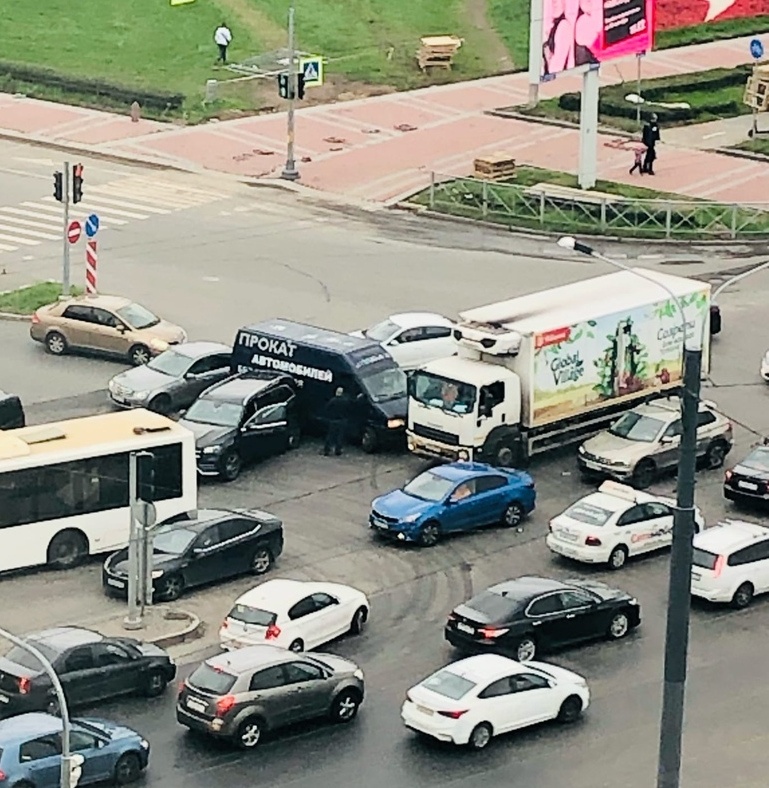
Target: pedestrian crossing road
<point>117,203</point>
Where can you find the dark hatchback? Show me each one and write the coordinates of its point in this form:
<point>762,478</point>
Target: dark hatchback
<point>748,480</point>
<point>217,545</point>
<point>531,614</point>
<point>91,668</point>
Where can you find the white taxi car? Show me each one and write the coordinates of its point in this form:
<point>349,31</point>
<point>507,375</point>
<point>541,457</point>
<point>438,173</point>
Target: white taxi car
<point>609,526</point>
<point>294,614</point>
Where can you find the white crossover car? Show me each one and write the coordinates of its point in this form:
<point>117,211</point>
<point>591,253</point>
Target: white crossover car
<point>470,701</point>
<point>294,614</point>
<point>413,339</point>
<point>608,526</point>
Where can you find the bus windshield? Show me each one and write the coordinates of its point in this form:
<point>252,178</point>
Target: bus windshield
<point>451,396</point>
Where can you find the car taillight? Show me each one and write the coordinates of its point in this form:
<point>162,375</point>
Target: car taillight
<point>3,777</point>
<point>225,624</point>
<point>272,632</point>
<point>492,632</point>
<point>550,527</point>
<point>24,685</point>
<point>223,705</point>
<point>728,475</point>
<point>453,715</point>
<point>35,318</point>
<point>718,567</point>
<point>181,687</point>
<point>593,541</point>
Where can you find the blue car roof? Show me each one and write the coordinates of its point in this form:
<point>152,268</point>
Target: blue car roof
<point>457,471</point>
<point>19,728</point>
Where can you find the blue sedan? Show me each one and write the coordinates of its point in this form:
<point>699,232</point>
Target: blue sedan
<point>30,751</point>
<point>454,498</point>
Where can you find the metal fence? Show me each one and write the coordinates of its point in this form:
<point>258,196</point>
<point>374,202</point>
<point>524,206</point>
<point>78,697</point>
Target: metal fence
<point>561,211</point>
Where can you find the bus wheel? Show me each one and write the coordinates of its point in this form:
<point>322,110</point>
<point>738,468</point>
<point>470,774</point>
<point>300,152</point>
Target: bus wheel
<point>67,549</point>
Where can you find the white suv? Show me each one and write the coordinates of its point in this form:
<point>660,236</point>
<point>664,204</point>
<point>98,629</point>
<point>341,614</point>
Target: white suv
<point>731,563</point>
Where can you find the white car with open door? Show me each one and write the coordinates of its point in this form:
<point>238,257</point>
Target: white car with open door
<point>294,614</point>
<point>413,339</point>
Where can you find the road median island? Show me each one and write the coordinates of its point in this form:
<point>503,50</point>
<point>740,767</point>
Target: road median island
<point>22,302</point>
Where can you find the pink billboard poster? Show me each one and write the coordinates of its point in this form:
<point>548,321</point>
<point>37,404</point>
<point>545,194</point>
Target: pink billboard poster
<point>589,32</point>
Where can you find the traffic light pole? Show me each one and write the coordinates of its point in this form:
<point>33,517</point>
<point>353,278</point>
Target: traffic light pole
<point>66,287</point>
<point>135,555</point>
<point>290,173</point>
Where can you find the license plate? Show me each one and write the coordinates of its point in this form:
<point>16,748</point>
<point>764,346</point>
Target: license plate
<point>424,710</point>
<point>4,698</point>
<point>465,628</point>
<point>567,537</point>
<point>748,486</point>
<point>196,705</point>
<point>567,551</point>
<point>116,583</point>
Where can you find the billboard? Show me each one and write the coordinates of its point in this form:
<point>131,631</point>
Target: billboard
<point>589,32</point>
<point>688,13</point>
<point>588,365</point>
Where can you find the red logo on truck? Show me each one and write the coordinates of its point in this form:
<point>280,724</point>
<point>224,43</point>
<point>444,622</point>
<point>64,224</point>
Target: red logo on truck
<point>552,337</point>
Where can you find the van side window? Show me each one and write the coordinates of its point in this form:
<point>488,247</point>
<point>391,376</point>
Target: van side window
<point>491,396</point>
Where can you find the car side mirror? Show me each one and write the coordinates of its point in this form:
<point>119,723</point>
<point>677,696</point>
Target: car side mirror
<point>121,328</point>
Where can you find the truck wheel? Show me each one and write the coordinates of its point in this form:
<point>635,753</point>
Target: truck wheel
<point>504,455</point>
<point>369,440</point>
<point>644,474</point>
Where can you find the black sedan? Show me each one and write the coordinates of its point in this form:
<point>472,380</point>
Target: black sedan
<point>91,668</point>
<point>748,480</point>
<point>531,614</point>
<point>217,545</point>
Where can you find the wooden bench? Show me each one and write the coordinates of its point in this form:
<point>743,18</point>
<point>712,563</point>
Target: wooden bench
<point>568,194</point>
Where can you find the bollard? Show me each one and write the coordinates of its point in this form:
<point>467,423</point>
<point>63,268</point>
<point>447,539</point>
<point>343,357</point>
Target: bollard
<point>136,112</point>
<point>212,90</point>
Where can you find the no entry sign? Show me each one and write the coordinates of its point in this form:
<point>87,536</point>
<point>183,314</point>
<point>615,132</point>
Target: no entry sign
<point>74,232</point>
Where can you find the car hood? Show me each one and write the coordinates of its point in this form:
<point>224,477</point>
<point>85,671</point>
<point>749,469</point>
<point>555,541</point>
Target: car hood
<point>163,332</point>
<point>753,473</point>
<point>142,379</point>
<point>393,408</point>
<point>337,664</point>
<point>151,650</point>
<point>398,504</point>
<point>206,434</point>
<point>118,562</point>
<point>612,447</point>
<point>607,593</point>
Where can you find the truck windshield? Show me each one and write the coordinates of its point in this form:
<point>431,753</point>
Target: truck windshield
<point>386,385</point>
<point>636,427</point>
<point>438,392</point>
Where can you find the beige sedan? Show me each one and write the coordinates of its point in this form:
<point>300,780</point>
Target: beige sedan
<point>106,324</point>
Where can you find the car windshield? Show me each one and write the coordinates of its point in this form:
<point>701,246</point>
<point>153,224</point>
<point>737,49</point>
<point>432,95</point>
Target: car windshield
<point>389,384</point>
<point>758,460</point>
<point>170,363</point>
<point>216,412</point>
<point>213,680</point>
<point>448,684</point>
<point>252,615</point>
<point>437,392</point>
<point>381,332</point>
<point>429,486</point>
<point>20,656</point>
<point>588,513</point>
<point>174,541</point>
<point>637,427</point>
<point>137,316</point>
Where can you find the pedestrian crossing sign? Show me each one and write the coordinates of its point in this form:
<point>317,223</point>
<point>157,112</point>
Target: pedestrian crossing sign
<point>312,68</point>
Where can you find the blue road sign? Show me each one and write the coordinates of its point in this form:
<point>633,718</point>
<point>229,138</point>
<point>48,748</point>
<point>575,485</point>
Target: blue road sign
<point>756,48</point>
<point>312,68</point>
<point>92,225</point>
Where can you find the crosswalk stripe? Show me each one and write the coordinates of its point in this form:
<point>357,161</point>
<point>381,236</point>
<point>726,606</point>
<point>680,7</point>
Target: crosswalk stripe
<point>32,233</point>
<point>95,207</point>
<point>104,219</point>
<point>23,241</point>
<point>144,199</point>
<point>32,214</point>
<point>4,248</point>
<point>44,206</point>
<point>207,193</point>
<point>30,223</point>
<point>154,195</point>
<point>112,201</point>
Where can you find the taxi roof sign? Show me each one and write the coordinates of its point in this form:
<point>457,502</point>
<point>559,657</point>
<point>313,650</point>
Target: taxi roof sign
<point>617,490</point>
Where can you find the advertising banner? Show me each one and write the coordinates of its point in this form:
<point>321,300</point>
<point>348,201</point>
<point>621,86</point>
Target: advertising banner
<point>688,13</point>
<point>588,365</point>
<point>590,32</point>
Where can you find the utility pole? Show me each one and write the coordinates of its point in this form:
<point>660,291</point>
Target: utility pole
<point>135,558</point>
<point>290,173</point>
<point>66,287</point>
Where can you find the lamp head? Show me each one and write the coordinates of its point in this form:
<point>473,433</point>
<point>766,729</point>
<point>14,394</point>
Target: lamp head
<point>567,242</point>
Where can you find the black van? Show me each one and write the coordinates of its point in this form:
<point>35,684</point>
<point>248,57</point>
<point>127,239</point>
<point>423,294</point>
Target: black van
<point>11,412</point>
<point>321,360</point>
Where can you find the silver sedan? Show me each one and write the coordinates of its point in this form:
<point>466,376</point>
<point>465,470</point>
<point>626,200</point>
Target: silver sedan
<point>172,380</point>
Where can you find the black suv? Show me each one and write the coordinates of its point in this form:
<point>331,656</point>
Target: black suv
<point>244,418</point>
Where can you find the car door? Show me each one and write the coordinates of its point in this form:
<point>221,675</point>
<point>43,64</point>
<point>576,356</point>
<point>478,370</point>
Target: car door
<point>78,324</point>
<point>266,433</point>
<point>97,763</point>
<point>706,421</point>
<point>462,509</point>
<point>501,707</point>
<point>119,670</point>
<point>754,565</point>
<point>659,524</point>
<point>79,675</point>
<point>546,618</point>
<point>207,561</point>
<point>110,333</point>
<point>238,544</point>
<point>669,446</point>
<point>330,618</point>
<point>583,617</point>
<point>302,626</point>
<point>267,690</point>
<point>406,347</point>
<point>436,343</point>
<point>308,690</point>
<point>535,696</point>
<point>202,373</point>
<point>41,757</point>
<point>634,528</point>
<point>491,500</point>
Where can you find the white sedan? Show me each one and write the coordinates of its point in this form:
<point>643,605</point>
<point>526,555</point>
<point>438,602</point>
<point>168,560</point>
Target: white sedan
<point>294,614</point>
<point>413,339</point>
<point>608,526</point>
<point>472,700</point>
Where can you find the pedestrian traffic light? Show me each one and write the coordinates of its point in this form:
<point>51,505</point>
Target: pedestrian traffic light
<point>58,186</point>
<point>284,86</point>
<point>77,182</point>
<point>300,85</point>
<point>145,477</point>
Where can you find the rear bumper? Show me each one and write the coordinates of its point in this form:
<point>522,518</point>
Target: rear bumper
<point>419,722</point>
<point>221,729</point>
<point>469,643</point>
<point>11,705</point>
<point>734,494</point>
<point>577,552</point>
<point>712,594</point>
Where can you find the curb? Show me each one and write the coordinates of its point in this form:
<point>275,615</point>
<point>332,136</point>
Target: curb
<point>193,629</point>
<point>13,317</point>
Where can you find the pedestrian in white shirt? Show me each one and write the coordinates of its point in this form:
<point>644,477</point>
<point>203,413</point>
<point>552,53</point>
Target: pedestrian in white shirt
<point>222,39</point>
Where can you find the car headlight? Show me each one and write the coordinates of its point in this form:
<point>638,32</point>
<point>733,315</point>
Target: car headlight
<point>139,394</point>
<point>212,450</point>
<point>156,573</point>
<point>633,601</point>
<point>159,344</point>
<point>111,385</point>
<point>358,674</point>
<point>411,518</point>
<point>144,744</point>
<point>394,424</point>
<point>581,450</point>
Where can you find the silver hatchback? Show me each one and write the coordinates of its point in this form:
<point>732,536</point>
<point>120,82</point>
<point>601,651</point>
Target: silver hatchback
<point>240,695</point>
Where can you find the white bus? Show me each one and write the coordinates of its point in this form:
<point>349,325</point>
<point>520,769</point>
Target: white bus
<point>64,486</point>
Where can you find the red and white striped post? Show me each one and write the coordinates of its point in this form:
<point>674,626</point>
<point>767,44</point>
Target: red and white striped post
<point>90,267</point>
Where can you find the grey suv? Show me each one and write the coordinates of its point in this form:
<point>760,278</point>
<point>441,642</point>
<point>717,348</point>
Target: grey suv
<point>240,695</point>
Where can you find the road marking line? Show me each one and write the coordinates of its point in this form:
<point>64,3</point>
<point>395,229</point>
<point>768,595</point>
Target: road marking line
<point>39,225</point>
<point>4,248</point>
<point>112,200</point>
<point>182,187</point>
<point>45,206</point>
<point>22,241</point>
<point>150,197</point>
<point>32,233</point>
<point>95,207</point>
<point>23,212</point>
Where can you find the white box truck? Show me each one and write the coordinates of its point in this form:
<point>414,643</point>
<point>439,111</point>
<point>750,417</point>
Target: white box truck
<point>554,367</point>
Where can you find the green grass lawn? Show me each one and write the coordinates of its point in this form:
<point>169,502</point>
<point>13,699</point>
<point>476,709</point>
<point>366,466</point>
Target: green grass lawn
<point>26,300</point>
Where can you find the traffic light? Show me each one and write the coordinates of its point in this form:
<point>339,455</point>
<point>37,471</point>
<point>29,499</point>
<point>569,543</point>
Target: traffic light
<point>73,769</point>
<point>58,186</point>
<point>300,85</point>
<point>145,477</point>
<point>77,182</point>
<point>284,86</point>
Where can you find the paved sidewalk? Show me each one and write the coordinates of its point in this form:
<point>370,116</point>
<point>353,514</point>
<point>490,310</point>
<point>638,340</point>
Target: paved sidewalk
<point>382,148</point>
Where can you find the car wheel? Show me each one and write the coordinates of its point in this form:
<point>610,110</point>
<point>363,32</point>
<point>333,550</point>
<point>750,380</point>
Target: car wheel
<point>231,466</point>
<point>644,474</point>
<point>170,588</point>
<point>56,344</point>
<point>155,683</point>
<point>526,650</point>
<point>715,455</point>
<point>571,709</point>
<point>743,596</point>
<point>249,733</point>
<point>297,646</point>
<point>139,355</point>
<point>345,706</point>
<point>161,404</point>
<point>617,557</point>
<point>358,621</point>
<point>430,534</point>
<point>513,515</point>
<point>128,768</point>
<point>262,561</point>
<point>369,440</point>
<point>619,626</point>
<point>67,549</point>
<point>480,736</point>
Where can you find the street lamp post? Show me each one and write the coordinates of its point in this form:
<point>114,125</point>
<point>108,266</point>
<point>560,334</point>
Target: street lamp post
<point>290,173</point>
<point>679,586</point>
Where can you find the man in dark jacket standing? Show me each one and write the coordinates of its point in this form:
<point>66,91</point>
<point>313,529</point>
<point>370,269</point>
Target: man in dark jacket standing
<point>650,136</point>
<point>337,413</point>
